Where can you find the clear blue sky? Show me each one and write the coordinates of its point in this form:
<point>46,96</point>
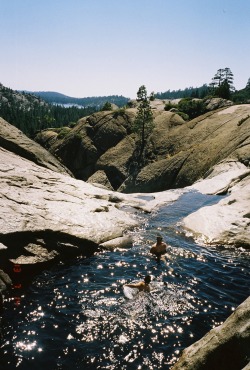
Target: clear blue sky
<point>104,47</point>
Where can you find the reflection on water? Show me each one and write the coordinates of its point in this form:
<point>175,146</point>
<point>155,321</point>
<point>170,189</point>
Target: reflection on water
<point>76,315</point>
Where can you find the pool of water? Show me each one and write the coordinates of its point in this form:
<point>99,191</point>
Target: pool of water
<point>75,315</point>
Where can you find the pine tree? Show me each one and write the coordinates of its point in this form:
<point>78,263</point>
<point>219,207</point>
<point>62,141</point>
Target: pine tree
<point>143,123</point>
<point>222,83</point>
<point>248,84</point>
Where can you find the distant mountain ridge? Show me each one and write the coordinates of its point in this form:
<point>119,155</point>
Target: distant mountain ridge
<point>30,113</point>
<point>94,101</point>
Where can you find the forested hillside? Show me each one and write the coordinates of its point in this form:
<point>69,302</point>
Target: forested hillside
<point>31,114</point>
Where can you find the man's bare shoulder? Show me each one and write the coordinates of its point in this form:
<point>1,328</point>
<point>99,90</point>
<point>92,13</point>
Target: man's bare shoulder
<point>153,248</point>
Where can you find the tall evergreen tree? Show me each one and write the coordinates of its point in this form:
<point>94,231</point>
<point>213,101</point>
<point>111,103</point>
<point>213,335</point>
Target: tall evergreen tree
<point>143,123</point>
<point>248,84</point>
<point>222,83</point>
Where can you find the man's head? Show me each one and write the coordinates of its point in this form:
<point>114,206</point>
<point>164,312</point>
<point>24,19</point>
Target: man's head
<point>147,279</point>
<point>159,238</point>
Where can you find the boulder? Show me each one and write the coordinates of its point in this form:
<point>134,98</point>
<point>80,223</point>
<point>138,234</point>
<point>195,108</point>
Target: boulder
<point>122,242</point>
<point>15,141</point>
<point>42,204</point>
<point>226,347</point>
<point>5,281</point>
<point>89,140</point>
<point>100,178</point>
<point>116,162</point>
<point>228,221</point>
<point>216,103</point>
<point>39,255</point>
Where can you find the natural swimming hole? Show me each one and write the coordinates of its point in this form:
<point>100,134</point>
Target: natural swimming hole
<point>75,314</point>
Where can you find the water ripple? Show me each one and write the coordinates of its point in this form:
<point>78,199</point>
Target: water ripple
<point>76,315</point>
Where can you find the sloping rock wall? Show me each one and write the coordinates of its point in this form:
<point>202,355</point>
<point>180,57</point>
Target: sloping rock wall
<point>15,141</point>
<point>177,153</point>
<point>226,347</point>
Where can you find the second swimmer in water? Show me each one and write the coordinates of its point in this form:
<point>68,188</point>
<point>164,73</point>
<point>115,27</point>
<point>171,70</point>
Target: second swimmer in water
<point>142,286</point>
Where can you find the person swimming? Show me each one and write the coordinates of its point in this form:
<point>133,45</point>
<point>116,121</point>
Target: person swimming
<point>159,248</point>
<point>142,286</point>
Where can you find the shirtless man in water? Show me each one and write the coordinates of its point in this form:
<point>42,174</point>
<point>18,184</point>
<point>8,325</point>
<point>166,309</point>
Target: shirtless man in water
<point>143,286</point>
<point>159,248</point>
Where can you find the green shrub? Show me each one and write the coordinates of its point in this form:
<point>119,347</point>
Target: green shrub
<point>183,115</point>
<point>63,132</point>
<point>106,106</point>
<point>169,106</point>
<point>119,112</point>
<point>193,108</point>
<point>72,124</point>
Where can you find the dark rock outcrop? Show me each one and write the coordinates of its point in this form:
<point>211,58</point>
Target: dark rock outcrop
<point>88,141</point>
<point>226,347</point>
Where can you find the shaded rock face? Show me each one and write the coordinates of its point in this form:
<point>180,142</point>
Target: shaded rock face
<point>226,347</point>
<point>177,153</point>
<point>93,136</point>
<point>15,141</point>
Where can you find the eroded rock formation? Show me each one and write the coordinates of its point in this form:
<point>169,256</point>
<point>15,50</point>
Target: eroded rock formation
<point>177,154</point>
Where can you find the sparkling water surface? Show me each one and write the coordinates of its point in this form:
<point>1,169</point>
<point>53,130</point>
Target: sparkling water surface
<point>75,315</point>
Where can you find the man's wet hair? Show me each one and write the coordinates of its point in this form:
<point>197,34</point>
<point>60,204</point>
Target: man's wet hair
<point>159,237</point>
<point>147,279</point>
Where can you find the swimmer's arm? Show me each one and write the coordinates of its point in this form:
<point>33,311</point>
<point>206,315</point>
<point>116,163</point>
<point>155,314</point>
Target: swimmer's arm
<point>137,285</point>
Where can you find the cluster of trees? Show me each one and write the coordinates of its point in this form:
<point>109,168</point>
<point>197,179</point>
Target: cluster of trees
<point>220,86</point>
<point>242,96</point>
<point>188,108</point>
<point>189,92</point>
<point>31,114</point>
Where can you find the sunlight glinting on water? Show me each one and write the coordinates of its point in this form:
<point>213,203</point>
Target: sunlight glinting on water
<point>78,314</point>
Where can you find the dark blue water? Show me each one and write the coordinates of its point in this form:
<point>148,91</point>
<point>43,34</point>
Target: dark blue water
<point>75,315</point>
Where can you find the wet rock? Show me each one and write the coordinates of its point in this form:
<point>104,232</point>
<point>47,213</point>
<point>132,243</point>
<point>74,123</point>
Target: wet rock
<point>122,242</point>
<point>226,347</point>
<point>38,255</point>
<point>2,247</point>
<point>5,281</point>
